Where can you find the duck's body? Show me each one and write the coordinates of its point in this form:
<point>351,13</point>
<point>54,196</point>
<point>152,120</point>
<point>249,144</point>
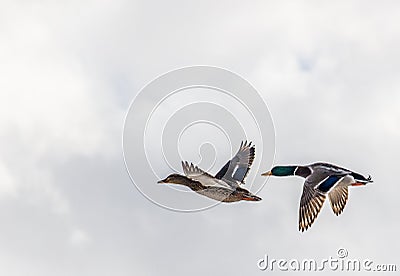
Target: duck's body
<point>225,185</point>
<point>227,195</point>
<point>321,179</point>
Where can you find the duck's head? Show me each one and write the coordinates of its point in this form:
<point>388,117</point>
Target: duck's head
<point>281,171</point>
<point>302,171</point>
<point>175,178</point>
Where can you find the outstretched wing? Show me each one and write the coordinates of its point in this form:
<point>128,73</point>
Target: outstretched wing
<point>235,170</point>
<point>195,173</point>
<point>322,181</point>
<point>338,199</point>
<point>310,205</point>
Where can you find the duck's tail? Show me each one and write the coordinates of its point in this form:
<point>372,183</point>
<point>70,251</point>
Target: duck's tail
<point>361,180</point>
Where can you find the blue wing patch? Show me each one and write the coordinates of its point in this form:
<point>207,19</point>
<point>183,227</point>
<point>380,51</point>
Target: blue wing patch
<point>329,183</point>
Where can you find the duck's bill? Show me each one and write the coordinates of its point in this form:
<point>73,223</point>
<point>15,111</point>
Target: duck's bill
<point>252,198</point>
<point>160,181</point>
<point>266,173</point>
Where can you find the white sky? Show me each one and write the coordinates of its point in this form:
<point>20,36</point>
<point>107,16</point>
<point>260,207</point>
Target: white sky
<point>329,73</point>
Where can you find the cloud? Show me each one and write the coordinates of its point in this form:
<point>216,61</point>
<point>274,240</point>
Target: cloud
<point>79,237</point>
<point>8,187</point>
<point>68,72</point>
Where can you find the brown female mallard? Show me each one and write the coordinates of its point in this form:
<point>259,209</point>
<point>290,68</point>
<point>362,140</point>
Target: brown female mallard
<point>225,185</point>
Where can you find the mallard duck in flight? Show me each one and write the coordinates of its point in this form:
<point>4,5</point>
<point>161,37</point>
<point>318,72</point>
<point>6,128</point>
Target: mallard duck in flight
<point>225,185</point>
<point>321,179</point>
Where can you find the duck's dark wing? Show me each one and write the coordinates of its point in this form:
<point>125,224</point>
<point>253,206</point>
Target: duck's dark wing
<point>338,199</point>
<point>195,173</point>
<point>236,169</point>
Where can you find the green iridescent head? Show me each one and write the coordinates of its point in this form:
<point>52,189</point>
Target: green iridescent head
<point>281,171</point>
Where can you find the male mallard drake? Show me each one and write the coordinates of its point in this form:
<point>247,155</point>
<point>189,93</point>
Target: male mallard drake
<point>321,179</point>
<point>225,185</point>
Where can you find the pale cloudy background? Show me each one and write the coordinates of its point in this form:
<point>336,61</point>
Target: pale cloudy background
<point>68,71</point>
